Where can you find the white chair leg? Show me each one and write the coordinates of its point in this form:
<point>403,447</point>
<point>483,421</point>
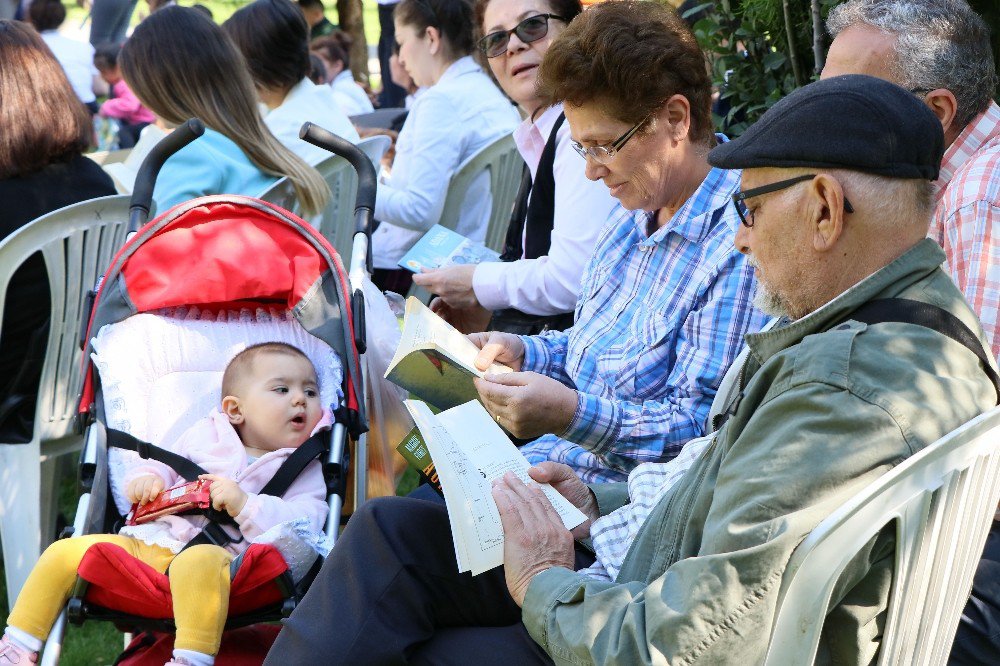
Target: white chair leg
<point>20,528</point>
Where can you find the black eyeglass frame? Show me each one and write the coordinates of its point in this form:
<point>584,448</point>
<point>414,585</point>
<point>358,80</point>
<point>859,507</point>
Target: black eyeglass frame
<point>483,41</point>
<point>739,198</point>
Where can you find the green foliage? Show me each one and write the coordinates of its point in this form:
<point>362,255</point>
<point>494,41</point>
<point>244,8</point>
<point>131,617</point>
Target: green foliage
<point>751,61</point>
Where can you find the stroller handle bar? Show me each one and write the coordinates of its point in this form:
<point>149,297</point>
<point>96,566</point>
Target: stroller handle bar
<point>142,193</point>
<point>364,204</point>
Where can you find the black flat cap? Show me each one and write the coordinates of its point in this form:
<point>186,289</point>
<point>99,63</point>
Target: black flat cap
<point>850,122</point>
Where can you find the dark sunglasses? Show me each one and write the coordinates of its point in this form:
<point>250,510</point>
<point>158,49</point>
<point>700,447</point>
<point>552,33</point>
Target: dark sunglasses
<point>739,198</point>
<point>529,30</point>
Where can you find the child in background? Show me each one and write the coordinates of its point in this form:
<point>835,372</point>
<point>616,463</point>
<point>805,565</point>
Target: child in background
<point>122,104</point>
<point>271,406</point>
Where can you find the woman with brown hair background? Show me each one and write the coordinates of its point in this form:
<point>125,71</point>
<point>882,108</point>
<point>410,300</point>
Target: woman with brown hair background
<point>181,65</point>
<point>42,169</point>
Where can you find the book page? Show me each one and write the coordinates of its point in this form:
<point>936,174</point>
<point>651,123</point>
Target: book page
<point>423,329</point>
<point>473,451</point>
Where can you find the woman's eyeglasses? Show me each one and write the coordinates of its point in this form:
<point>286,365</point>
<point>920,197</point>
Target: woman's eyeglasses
<point>605,153</point>
<point>529,30</point>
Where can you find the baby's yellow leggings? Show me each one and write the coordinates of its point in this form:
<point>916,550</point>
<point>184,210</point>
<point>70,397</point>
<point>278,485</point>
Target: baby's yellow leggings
<point>199,585</point>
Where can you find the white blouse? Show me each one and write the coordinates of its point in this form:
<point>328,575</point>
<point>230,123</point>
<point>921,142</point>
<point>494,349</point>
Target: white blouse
<point>351,97</point>
<point>550,284</point>
<point>448,123</point>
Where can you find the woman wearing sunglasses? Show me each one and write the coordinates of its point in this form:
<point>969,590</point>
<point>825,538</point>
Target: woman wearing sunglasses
<point>460,112</point>
<point>559,213</point>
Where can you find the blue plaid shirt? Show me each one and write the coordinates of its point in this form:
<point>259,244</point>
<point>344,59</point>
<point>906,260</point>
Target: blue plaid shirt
<point>659,320</point>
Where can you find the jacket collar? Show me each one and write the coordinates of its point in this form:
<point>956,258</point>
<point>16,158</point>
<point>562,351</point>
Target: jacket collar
<point>915,264</point>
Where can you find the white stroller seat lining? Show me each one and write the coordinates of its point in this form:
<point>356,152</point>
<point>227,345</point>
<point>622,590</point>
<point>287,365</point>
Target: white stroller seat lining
<point>160,373</point>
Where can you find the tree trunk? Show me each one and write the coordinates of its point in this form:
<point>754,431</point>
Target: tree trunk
<point>352,21</point>
<point>817,37</point>
<point>792,52</point>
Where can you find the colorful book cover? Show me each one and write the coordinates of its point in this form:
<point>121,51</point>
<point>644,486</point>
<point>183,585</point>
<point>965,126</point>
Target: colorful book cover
<point>444,247</point>
<point>414,451</point>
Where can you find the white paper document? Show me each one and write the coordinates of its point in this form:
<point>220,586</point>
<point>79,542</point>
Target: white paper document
<point>469,451</point>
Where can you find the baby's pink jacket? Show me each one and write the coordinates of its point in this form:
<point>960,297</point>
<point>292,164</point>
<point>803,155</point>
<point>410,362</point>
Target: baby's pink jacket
<point>125,106</point>
<point>213,444</point>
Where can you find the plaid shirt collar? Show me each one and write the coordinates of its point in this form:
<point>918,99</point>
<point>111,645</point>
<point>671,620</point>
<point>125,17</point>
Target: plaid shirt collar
<point>984,128</point>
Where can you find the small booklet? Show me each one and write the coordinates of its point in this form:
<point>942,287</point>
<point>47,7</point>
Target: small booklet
<point>186,497</point>
<point>444,247</point>
<point>434,361</point>
<point>124,173</point>
<point>414,451</point>
<point>469,451</point>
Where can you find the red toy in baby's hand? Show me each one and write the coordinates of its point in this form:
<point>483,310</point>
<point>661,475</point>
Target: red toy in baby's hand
<point>188,497</point>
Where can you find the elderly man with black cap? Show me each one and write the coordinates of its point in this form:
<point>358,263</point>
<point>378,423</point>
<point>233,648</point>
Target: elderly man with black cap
<point>835,204</point>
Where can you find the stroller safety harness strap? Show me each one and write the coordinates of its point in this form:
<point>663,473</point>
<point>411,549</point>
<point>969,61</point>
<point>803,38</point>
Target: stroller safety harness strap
<point>190,471</point>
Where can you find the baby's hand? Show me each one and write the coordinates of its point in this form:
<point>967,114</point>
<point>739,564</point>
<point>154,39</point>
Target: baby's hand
<point>226,494</point>
<point>144,488</point>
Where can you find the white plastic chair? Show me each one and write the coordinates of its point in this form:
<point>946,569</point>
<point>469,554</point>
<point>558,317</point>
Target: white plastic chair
<point>77,243</point>
<point>942,501</point>
<point>504,165</point>
<point>336,222</point>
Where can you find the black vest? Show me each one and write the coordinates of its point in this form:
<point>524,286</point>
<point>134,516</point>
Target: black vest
<point>532,220</point>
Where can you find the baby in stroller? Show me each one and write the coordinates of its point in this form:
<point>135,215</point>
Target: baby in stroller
<point>271,406</point>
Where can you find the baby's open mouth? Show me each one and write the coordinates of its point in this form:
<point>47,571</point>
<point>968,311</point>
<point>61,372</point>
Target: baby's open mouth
<point>299,419</point>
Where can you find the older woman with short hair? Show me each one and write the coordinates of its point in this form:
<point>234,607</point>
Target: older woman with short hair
<point>666,298</point>
<point>664,308</point>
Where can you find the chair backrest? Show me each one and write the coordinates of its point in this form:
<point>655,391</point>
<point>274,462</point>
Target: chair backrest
<point>942,501</point>
<point>336,222</point>
<point>77,243</point>
<point>504,165</point>
<point>374,147</point>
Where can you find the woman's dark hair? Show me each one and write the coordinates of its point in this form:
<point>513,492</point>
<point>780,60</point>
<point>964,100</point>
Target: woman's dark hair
<point>317,70</point>
<point>106,55</point>
<point>274,39</point>
<point>568,9</point>
<point>46,14</point>
<point>452,18</point>
<point>630,57</point>
<point>34,135</point>
<point>335,47</point>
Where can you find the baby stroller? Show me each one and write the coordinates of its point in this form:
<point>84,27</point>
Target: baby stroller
<point>212,276</point>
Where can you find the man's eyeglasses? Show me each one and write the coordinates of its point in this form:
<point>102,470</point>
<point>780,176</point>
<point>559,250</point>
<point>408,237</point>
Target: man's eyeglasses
<point>740,198</point>
<point>529,30</point>
<point>605,153</point>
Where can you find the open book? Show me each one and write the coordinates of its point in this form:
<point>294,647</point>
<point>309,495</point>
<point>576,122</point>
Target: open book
<point>434,361</point>
<point>469,451</point>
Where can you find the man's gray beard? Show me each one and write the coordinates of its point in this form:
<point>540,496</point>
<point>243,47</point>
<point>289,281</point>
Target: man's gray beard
<point>770,303</point>
<point>766,300</point>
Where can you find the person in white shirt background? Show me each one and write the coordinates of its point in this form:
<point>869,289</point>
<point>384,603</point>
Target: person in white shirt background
<point>461,112</point>
<point>334,50</point>
<point>75,57</point>
<point>517,35</point>
<point>274,39</point>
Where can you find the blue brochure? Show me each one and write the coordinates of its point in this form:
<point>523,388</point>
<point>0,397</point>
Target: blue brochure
<point>443,247</point>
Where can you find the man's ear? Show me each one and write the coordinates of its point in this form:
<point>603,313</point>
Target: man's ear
<point>826,211</point>
<point>944,105</point>
<point>231,408</point>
